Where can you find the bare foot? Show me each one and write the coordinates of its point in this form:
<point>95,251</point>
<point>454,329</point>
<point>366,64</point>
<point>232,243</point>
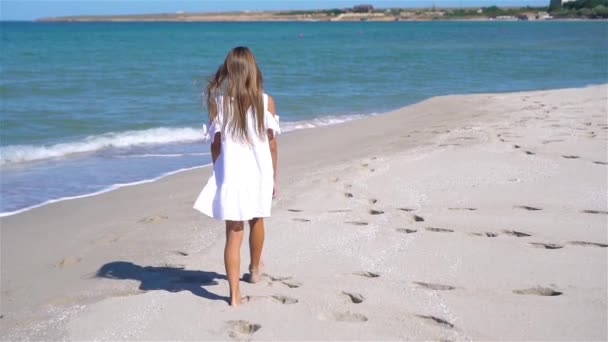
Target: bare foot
<point>236,300</point>
<point>254,274</point>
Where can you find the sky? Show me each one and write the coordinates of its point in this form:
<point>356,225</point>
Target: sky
<point>33,9</point>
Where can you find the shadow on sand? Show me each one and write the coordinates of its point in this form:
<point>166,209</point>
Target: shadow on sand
<point>171,279</point>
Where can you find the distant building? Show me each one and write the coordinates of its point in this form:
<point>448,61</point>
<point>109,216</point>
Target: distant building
<point>363,8</point>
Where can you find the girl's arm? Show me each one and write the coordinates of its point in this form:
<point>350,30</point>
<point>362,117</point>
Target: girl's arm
<point>272,141</point>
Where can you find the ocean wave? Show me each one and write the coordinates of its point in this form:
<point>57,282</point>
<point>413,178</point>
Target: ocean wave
<point>155,136</point>
<point>287,126</point>
<point>162,135</point>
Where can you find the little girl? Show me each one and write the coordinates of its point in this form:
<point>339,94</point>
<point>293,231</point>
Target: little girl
<point>242,127</point>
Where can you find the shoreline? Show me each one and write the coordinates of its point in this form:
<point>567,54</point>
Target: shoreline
<point>403,207</point>
<point>102,191</point>
<point>345,118</point>
<point>292,126</point>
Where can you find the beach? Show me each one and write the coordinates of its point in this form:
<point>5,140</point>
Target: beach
<point>460,217</point>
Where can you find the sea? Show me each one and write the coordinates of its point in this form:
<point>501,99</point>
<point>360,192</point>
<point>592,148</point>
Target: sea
<point>90,107</point>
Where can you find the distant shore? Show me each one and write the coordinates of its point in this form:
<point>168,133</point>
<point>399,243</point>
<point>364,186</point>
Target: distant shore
<point>313,15</point>
<point>366,13</point>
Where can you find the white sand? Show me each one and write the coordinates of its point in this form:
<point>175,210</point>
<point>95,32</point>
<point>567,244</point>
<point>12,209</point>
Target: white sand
<point>450,161</point>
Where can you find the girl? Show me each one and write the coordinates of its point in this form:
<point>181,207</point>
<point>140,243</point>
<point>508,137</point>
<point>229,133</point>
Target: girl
<point>242,126</point>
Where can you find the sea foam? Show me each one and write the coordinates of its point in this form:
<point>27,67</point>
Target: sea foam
<point>162,135</point>
<point>13,154</point>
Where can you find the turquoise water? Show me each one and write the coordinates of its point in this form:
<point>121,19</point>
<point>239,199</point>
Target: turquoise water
<point>87,106</point>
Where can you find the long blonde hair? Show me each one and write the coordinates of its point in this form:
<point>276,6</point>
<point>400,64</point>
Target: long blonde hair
<point>239,83</point>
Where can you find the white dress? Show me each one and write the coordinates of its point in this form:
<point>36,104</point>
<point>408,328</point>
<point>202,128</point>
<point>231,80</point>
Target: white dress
<point>241,185</point>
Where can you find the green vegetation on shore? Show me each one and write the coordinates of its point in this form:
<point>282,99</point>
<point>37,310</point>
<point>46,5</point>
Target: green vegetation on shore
<point>593,9</point>
<point>492,12</point>
<point>330,12</point>
<point>452,13</point>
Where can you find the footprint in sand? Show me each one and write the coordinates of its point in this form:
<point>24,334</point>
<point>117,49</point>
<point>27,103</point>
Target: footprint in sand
<point>551,141</point>
<point>515,233</point>
<point>418,218</point>
<point>295,210</point>
<point>339,211</point>
<point>354,297</point>
<point>153,219</point>
<point>108,238</point>
<point>281,299</point>
<point>284,299</point>
<point>276,278</point>
<point>376,212</point>
<point>600,163</point>
<point>242,329</point>
<point>436,321</point>
<point>69,261</point>
<point>538,291</point>
<point>406,209</point>
<point>439,230</point>
<point>343,317</point>
<point>367,274</point>
<point>349,195</point>
<point>570,157</point>
<point>180,253</point>
<point>516,146</point>
<point>594,212</point>
<point>546,245</point>
<point>373,201</point>
<point>406,230</point>
<point>530,153</point>
<point>357,223</point>
<point>469,209</point>
<point>297,219</point>
<point>292,284</point>
<point>526,207</point>
<point>587,244</point>
<point>334,179</point>
<point>438,287</point>
<point>485,234</point>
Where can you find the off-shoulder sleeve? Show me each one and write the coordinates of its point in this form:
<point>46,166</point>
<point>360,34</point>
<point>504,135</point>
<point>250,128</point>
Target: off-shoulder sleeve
<point>215,125</point>
<point>271,121</point>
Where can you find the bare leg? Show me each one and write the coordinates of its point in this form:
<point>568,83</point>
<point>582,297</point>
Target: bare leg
<point>256,244</point>
<point>232,259</point>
